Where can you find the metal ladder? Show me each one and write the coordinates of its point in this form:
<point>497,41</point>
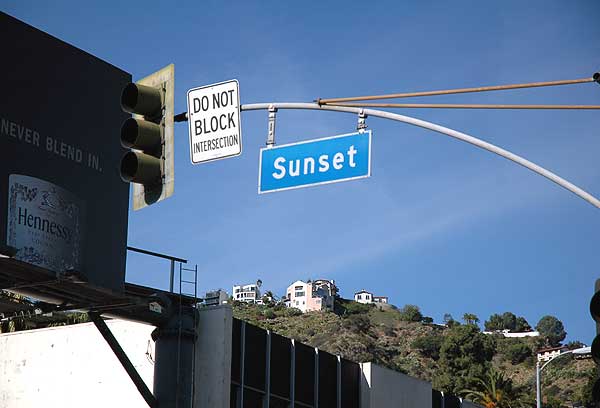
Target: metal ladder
<point>183,270</point>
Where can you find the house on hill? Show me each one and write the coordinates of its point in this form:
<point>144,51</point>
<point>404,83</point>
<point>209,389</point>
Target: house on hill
<point>367,297</point>
<point>247,293</point>
<point>548,354</point>
<point>311,295</point>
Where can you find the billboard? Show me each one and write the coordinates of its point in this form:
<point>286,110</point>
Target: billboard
<point>63,205</point>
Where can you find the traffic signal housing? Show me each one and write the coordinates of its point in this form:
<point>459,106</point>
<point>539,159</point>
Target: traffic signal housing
<point>595,312</point>
<point>149,165</point>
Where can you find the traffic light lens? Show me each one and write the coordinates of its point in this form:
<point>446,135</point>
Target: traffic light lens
<point>129,132</point>
<point>142,100</point>
<point>129,97</point>
<point>129,166</point>
<point>141,168</point>
<point>142,135</point>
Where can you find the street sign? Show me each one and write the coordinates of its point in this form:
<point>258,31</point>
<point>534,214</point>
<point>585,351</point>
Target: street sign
<point>313,162</point>
<point>214,120</point>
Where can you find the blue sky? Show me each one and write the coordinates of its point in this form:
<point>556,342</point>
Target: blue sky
<point>440,224</point>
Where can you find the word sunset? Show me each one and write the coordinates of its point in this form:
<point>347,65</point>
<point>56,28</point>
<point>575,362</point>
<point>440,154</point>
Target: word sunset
<point>214,122</point>
<point>320,161</point>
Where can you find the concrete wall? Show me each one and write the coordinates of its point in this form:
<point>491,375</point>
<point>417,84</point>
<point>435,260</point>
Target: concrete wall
<point>72,366</point>
<point>381,388</point>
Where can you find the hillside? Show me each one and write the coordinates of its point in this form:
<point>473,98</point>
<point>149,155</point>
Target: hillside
<point>449,357</point>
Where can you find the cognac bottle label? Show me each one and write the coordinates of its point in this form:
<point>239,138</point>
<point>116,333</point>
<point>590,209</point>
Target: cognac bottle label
<point>45,224</point>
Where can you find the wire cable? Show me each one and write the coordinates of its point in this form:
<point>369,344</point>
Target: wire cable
<point>463,106</point>
<point>331,101</point>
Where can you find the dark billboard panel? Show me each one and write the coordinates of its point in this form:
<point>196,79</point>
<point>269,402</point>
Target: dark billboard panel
<point>63,205</point>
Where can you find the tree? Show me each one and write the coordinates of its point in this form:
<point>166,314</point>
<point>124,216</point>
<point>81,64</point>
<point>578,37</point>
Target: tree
<point>522,325</point>
<point>449,320</point>
<point>429,346</point>
<point>518,352</point>
<point>507,321</point>
<point>575,344</point>
<point>494,323</point>
<point>552,330</point>
<point>411,313</point>
<point>465,355</point>
<point>470,318</point>
<point>427,319</point>
<point>493,390</point>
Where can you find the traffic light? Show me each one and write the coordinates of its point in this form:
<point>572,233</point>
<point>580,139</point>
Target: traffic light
<point>149,134</point>
<point>595,312</point>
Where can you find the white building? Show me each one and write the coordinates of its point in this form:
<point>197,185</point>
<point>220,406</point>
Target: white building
<point>309,296</point>
<point>247,293</point>
<point>507,333</point>
<point>548,354</point>
<point>366,297</point>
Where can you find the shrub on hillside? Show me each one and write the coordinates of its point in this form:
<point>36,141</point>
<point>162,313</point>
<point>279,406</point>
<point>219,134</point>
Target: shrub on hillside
<point>518,352</point>
<point>429,346</point>
<point>269,313</point>
<point>292,311</point>
<point>357,323</point>
<point>343,307</point>
<point>411,313</point>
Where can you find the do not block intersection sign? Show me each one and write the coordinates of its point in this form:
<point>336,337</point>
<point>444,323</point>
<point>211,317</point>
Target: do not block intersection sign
<point>214,121</point>
<point>312,162</point>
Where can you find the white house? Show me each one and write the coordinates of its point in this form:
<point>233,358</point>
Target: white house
<point>548,354</point>
<point>380,299</point>
<point>366,297</point>
<point>311,295</point>
<point>507,333</point>
<point>363,297</point>
<point>247,293</point>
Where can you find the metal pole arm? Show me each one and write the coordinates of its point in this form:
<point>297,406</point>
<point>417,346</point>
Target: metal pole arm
<point>439,129</point>
<point>554,358</point>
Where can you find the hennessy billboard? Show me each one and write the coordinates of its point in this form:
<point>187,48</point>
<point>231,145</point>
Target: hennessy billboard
<point>63,205</point>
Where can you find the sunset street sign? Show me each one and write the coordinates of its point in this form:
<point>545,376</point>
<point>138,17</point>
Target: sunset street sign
<point>321,161</point>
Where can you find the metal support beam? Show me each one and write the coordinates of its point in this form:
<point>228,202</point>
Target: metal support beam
<point>123,359</point>
<point>174,359</point>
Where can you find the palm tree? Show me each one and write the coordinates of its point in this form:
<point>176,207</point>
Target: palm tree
<point>493,391</point>
<point>470,318</point>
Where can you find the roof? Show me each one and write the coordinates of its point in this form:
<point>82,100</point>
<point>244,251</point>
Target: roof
<point>549,349</point>
<point>363,291</point>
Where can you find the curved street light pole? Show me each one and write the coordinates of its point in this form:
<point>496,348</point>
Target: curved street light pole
<point>436,128</point>
<point>538,377</point>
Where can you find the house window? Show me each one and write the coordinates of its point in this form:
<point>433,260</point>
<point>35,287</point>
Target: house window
<point>299,287</point>
<point>303,302</point>
<point>300,294</point>
<point>297,302</point>
<point>359,297</point>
